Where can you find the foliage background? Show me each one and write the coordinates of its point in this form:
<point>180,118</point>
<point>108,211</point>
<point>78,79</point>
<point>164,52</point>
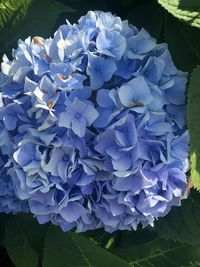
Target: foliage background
<point>175,239</point>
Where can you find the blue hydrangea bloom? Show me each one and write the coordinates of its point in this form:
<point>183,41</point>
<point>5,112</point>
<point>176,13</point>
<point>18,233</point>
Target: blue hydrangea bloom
<point>92,127</point>
<point>111,43</point>
<point>100,70</point>
<point>78,116</point>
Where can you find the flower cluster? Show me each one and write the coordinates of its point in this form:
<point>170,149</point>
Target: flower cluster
<point>92,127</point>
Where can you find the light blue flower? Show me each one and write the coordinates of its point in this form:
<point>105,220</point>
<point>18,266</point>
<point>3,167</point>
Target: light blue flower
<point>127,67</point>
<point>135,183</point>
<point>29,169</point>
<point>67,43</point>
<point>161,51</point>
<point>111,44</point>
<point>139,45</point>
<point>135,94</point>
<point>175,94</point>
<point>108,107</point>
<point>109,22</point>
<point>73,212</point>
<point>60,163</point>
<point>78,116</point>
<point>46,95</point>
<point>156,124</point>
<point>153,69</point>
<point>100,70</point>
<point>153,150</point>
<point>118,145</point>
<point>9,115</point>
<point>177,114</point>
<point>179,147</point>
<point>9,202</point>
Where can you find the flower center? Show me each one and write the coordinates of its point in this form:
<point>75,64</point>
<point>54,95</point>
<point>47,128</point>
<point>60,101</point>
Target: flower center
<point>65,158</point>
<point>97,68</point>
<point>77,115</point>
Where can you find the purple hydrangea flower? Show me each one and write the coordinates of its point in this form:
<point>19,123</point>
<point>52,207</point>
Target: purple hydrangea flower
<point>92,127</point>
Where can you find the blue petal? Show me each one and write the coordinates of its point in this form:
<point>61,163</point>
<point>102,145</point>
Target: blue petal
<point>72,212</point>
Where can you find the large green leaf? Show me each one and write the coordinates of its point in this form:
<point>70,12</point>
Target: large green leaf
<point>6,5</point>
<point>71,250</point>
<point>160,252</point>
<point>134,238</point>
<point>103,238</point>
<point>34,232</point>
<point>194,125</point>
<point>17,244</point>
<point>187,10</point>
<point>182,223</point>
<point>184,43</point>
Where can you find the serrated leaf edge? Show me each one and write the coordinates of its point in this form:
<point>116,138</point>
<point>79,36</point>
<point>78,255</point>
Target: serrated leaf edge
<point>196,184</point>
<point>180,14</point>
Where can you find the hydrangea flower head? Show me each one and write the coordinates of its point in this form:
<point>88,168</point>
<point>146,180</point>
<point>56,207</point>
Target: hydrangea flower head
<point>92,127</point>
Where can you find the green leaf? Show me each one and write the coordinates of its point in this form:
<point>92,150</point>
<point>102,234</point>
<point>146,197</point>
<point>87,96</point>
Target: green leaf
<point>194,125</point>
<point>189,11</point>
<point>35,232</point>
<point>134,238</point>
<point>100,236</point>
<point>183,42</point>
<point>182,223</point>
<point>160,252</point>
<point>6,5</point>
<point>18,246</point>
<point>71,249</point>
<point>149,16</point>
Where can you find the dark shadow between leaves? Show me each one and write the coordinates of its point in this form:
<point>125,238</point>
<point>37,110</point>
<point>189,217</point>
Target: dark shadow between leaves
<point>4,259</point>
<point>192,5</point>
